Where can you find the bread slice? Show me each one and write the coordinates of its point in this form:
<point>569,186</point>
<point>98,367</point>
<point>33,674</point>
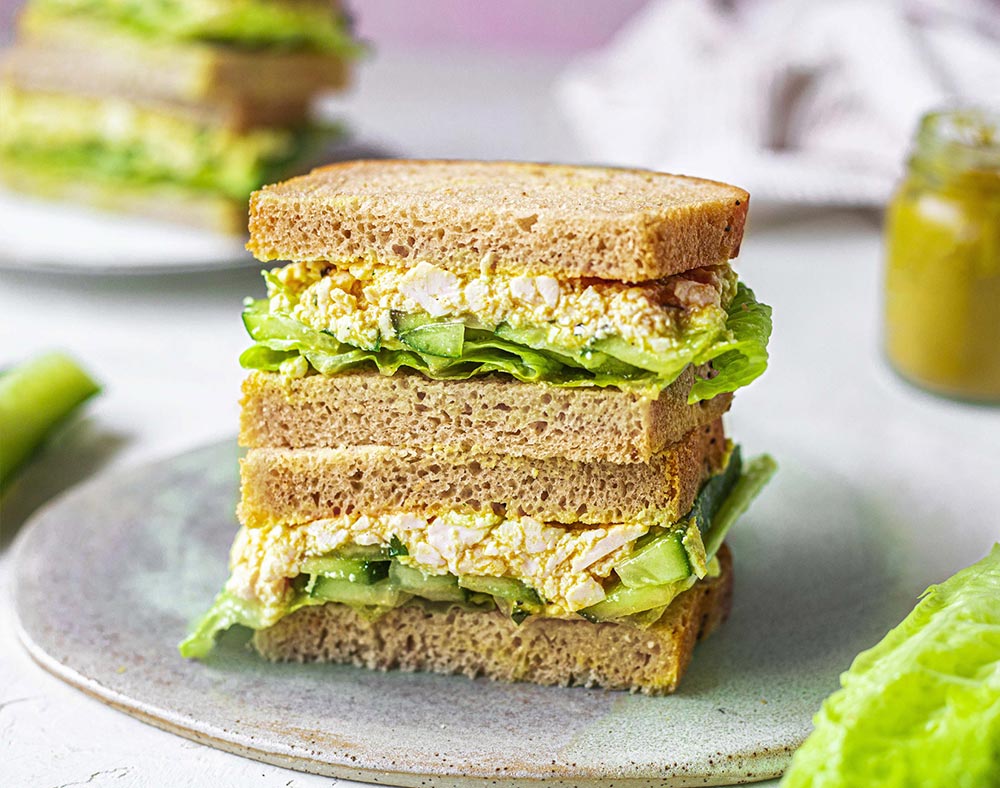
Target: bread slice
<point>81,56</point>
<point>301,485</point>
<point>543,651</point>
<point>487,414</point>
<point>502,217</point>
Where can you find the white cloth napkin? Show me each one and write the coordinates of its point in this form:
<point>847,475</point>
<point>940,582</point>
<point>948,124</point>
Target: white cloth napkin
<point>795,100</point>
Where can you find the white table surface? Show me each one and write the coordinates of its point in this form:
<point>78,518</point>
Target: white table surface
<point>166,348</point>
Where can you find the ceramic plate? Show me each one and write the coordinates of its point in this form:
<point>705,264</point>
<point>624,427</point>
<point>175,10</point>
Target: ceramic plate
<point>67,238</point>
<point>38,235</point>
<point>108,577</point>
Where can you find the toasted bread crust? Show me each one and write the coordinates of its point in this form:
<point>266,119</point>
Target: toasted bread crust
<point>501,217</point>
<point>89,58</point>
<point>302,485</point>
<point>485,414</point>
<point>543,651</point>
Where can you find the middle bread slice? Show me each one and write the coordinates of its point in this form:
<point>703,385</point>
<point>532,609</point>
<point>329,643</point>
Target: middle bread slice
<point>291,486</point>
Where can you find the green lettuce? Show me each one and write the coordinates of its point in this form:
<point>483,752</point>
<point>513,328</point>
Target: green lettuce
<point>738,353</point>
<point>742,357</point>
<point>310,25</point>
<point>921,708</point>
<point>196,159</point>
<point>228,610</point>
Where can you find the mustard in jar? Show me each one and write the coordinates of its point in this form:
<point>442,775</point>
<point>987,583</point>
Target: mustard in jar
<point>942,286</point>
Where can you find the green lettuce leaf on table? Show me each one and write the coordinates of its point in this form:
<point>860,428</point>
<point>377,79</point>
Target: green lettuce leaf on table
<point>921,708</point>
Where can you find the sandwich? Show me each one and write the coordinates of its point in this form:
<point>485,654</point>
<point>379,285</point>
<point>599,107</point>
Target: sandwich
<point>178,112</point>
<point>483,421</point>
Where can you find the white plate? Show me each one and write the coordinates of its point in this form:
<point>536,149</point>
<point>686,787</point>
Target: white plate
<point>56,237</point>
<point>108,577</point>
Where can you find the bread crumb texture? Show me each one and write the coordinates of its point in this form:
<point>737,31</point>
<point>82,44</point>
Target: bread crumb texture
<point>563,652</point>
<point>301,485</point>
<point>484,415</point>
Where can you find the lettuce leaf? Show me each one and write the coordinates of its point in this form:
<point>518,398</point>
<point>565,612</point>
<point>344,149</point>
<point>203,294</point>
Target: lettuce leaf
<point>228,610</point>
<point>921,708</point>
<point>742,358</point>
<point>739,351</point>
<point>302,25</point>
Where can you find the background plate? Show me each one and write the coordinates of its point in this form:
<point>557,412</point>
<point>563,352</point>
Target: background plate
<point>39,235</point>
<point>109,576</point>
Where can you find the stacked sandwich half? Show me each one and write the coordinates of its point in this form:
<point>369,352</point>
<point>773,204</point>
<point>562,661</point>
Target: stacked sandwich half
<point>484,423</point>
<point>173,108</point>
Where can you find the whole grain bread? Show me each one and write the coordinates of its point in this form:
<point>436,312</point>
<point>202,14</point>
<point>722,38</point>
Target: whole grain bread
<point>82,56</point>
<point>484,415</point>
<point>501,217</point>
<point>301,485</point>
<point>543,651</point>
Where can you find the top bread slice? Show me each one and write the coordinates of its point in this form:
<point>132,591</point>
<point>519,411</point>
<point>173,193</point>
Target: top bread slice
<point>501,217</point>
<point>78,56</point>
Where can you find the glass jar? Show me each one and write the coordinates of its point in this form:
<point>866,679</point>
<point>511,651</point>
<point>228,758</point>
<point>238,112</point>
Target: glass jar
<point>942,286</point>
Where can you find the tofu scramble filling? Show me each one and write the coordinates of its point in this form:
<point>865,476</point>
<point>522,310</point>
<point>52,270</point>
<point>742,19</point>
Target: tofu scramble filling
<point>566,566</point>
<point>355,302</point>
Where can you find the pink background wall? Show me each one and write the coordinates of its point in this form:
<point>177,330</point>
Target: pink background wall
<point>515,25</point>
<point>539,25</point>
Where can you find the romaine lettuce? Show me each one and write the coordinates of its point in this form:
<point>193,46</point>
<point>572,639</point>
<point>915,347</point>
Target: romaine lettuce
<point>148,146</point>
<point>302,25</point>
<point>742,358</point>
<point>921,708</point>
<point>738,351</point>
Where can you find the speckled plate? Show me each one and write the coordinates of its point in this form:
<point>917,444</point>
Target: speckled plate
<point>109,576</point>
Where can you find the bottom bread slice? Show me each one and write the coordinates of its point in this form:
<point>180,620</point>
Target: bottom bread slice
<point>543,651</point>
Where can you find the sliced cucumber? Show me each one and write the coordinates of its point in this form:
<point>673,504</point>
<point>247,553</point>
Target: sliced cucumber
<point>658,560</point>
<point>757,473</point>
<point>339,568</point>
<point>443,340</point>
<point>437,588</point>
<point>364,552</point>
<point>684,550</point>
<point>623,601</point>
<point>383,593</point>
<point>501,588</point>
<point>404,322</point>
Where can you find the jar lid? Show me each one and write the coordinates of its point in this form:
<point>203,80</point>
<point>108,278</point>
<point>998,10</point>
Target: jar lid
<point>960,139</point>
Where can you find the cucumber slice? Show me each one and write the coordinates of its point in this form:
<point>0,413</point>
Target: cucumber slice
<point>437,588</point>
<point>757,473</point>
<point>502,588</point>
<point>404,322</point>
<point>383,593</point>
<point>659,560</point>
<point>352,569</point>
<point>436,339</point>
<point>364,552</point>
<point>623,601</point>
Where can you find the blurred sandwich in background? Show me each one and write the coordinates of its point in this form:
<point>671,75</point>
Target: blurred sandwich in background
<point>175,109</point>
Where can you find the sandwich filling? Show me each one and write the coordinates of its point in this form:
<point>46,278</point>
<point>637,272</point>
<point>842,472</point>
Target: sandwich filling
<point>66,134</point>
<point>328,317</point>
<point>625,572</point>
<point>308,25</point>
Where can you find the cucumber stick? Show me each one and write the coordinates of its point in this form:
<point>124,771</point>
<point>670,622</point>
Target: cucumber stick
<point>35,397</point>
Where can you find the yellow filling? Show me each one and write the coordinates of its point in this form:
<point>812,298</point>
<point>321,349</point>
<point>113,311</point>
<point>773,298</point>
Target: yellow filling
<point>565,566</point>
<point>354,300</point>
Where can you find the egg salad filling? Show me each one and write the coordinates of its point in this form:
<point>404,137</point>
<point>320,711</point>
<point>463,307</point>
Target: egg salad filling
<point>327,317</point>
<point>625,572</point>
<point>115,138</point>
